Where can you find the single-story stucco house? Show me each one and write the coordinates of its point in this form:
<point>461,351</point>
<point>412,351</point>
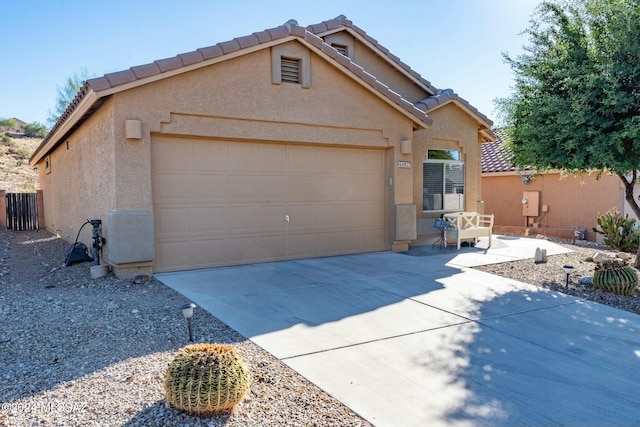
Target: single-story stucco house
<point>288,143</point>
<point>548,203</point>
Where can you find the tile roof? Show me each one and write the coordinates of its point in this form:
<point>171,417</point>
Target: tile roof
<point>113,82</point>
<point>439,97</point>
<point>495,157</point>
<point>342,21</point>
<point>445,96</point>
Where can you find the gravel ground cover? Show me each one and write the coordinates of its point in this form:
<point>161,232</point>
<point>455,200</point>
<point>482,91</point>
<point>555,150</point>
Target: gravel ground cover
<point>550,275</point>
<point>76,351</point>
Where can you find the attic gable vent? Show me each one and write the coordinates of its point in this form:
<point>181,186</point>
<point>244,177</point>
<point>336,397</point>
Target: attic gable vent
<point>290,70</point>
<point>342,49</point>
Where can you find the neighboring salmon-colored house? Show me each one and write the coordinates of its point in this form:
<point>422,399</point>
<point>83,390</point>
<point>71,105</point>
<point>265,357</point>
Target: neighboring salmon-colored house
<point>546,203</point>
<point>288,143</point>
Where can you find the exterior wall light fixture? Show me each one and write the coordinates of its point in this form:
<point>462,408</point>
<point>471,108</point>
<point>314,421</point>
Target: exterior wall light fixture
<point>133,129</point>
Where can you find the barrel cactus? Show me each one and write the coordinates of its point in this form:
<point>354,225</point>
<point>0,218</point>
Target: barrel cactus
<point>206,379</point>
<point>615,276</point>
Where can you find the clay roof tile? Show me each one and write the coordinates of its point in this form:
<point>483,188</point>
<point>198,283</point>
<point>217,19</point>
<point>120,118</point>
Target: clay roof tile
<point>495,157</point>
<point>120,77</point>
<point>146,70</point>
<point>248,41</point>
<point>229,46</point>
<point>168,64</point>
<point>211,52</point>
<point>191,57</point>
<point>99,83</point>
<point>263,36</point>
<point>278,32</point>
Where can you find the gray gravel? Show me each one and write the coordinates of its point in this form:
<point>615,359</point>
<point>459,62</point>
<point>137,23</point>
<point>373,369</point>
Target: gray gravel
<point>76,351</point>
<point>550,275</point>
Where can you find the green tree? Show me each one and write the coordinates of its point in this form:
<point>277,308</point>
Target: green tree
<point>35,130</point>
<point>8,123</point>
<point>576,100</point>
<point>66,94</point>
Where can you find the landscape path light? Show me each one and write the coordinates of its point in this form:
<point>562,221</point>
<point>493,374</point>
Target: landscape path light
<point>567,269</point>
<point>187,312</point>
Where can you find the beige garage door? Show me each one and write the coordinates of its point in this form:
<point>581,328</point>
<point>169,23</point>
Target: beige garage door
<point>224,203</point>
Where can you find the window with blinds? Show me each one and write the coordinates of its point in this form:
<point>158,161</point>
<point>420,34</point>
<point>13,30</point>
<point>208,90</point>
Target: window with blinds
<point>290,70</point>
<point>443,185</point>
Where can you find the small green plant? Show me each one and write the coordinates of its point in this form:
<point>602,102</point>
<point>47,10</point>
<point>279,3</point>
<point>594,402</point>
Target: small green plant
<point>6,140</point>
<point>620,232</point>
<point>206,379</point>
<point>616,277</point>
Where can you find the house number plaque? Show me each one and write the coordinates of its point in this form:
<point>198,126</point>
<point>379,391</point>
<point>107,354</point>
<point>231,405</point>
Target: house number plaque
<point>403,164</point>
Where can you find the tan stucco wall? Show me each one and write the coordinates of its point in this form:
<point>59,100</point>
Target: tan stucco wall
<point>232,99</point>
<point>452,129</point>
<point>80,185</point>
<point>574,201</point>
<point>237,99</point>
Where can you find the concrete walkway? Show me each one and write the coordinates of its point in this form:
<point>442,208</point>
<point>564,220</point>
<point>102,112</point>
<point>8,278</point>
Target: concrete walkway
<point>425,341</point>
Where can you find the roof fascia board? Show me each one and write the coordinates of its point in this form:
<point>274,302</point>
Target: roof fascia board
<point>362,83</point>
<point>85,105</point>
<point>488,134</point>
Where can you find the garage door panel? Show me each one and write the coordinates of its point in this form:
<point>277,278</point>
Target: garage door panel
<point>275,187</point>
<point>243,187</point>
<point>208,187</point>
<point>205,218</point>
<point>373,213</point>
<point>271,218</point>
<point>328,215</point>
<point>242,157</point>
<point>303,244</point>
<point>210,155</point>
<point>302,159</point>
<point>372,238</point>
<point>241,218</point>
<point>175,187</point>
<point>227,204</point>
<point>172,155</point>
<point>172,221</point>
<point>328,160</point>
<point>273,158</point>
<point>173,255</point>
<point>207,252</point>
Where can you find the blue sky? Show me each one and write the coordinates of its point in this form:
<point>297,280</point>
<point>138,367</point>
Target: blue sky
<point>452,43</point>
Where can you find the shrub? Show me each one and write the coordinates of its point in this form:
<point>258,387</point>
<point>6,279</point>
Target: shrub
<point>616,277</point>
<point>35,130</point>
<point>206,379</point>
<point>620,232</point>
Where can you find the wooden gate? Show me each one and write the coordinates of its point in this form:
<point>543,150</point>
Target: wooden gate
<point>23,211</point>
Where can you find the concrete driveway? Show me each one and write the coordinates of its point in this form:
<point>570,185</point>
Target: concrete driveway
<point>426,341</point>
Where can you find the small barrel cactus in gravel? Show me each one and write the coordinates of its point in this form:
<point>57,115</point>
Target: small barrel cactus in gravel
<point>615,276</point>
<point>206,379</point>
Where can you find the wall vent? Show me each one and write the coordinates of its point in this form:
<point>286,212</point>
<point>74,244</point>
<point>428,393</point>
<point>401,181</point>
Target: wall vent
<point>290,70</point>
<point>342,49</point>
